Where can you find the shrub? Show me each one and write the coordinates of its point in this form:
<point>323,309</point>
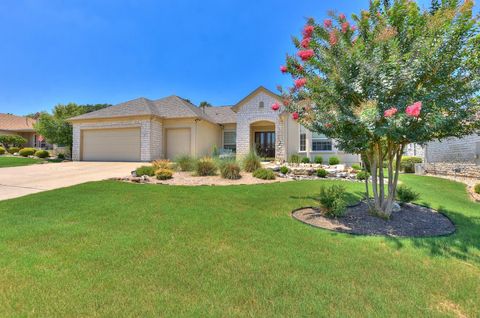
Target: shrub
<point>230,170</point>
<point>162,164</point>
<point>476,188</point>
<point>294,159</point>
<point>333,161</point>
<point>284,169</point>
<point>305,160</point>
<point>264,174</point>
<point>42,154</point>
<point>408,163</point>
<point>318,159</point>
<point>363,175</point>
<point>12,140</point>
<point>145,171</point>
<point>332,201</point>
<point>163,174</point>
<point>25,152</point>
<point>185,163</point>
<point>322,173</point>
<point>2,150</point>
<point>13,150</point>
<point>61,156</point>
<point>251,162</point>
<point>206,167</point>
<point>405,194</point>
<point>356,166</point>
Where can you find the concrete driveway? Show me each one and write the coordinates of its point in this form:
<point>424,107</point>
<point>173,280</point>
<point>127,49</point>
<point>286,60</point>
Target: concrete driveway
<point>19,181</point>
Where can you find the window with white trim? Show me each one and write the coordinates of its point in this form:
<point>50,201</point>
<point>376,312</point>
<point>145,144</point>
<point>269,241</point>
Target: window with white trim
<point>303,139</point>
<point>320,142</point>
<point>230,140</point>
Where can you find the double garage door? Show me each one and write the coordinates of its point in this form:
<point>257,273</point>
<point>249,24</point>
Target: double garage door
<point>121,144</point>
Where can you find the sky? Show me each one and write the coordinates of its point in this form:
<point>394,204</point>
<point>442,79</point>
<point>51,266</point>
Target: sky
<point>111,51</point>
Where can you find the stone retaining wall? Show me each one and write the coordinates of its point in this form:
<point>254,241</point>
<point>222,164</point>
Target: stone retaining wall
<point>469,170</point>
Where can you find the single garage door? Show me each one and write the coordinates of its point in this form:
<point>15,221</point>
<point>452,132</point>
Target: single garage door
<point>111,144</point>
<point>178,142</point>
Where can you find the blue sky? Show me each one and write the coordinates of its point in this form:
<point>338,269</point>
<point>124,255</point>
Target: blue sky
<point>111,51</point>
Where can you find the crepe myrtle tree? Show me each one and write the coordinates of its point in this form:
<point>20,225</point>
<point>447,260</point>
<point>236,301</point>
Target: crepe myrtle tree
<point>390,76</point>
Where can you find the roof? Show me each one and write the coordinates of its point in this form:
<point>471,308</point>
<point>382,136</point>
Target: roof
<point>167,107</point>
<point>16,123</point>
<point>222,114</point>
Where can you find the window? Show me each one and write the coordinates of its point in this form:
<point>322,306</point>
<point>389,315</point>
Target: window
<point>230,140</point>
<point>320,142</point>
<point>261,104</point>
<point>303,139</point>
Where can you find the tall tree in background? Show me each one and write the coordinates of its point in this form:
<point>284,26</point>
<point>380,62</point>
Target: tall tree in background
<point>397,76</point>
<point>55,128</point>
<point>205,104</point>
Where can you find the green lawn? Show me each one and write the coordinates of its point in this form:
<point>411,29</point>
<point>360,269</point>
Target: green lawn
<point>17,161</point>
<point>127,250</point>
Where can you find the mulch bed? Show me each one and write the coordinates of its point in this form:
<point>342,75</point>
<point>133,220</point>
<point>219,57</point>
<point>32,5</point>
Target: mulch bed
<point>411,221</point>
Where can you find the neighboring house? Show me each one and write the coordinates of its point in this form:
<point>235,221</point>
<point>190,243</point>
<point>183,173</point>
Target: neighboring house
<point>414,150</point>
<point>144,130</point>
<point>454,156</point>
<point>21,126</point>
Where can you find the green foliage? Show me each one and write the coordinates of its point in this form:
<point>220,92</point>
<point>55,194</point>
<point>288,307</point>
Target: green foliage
<point>61,156</point>
<point>13,150</point>
<point>206,167</point>
<point>12,141</point>
<point>408,163</point>
<point>305,160</point>
<point>230,170</point>
<point>333,161</point>
<point>2,150</point>
<point>356,166</point>
<point>162,164</point>
<point>145,171</point>
<point>318,159</point>
<point>322,173</point>
<point>163,174</point>
<point>476,188</point>
<point>42,154</point>
<point>264,174</point>
<point>215,152</point>
<point>25,152</point>
<point>204,104</point>
<point>332,200</point>
<point>251,162</point>
<point>284,169</point>
<point>55,128</point>
<point>406,194</point>
<point>185,163</point>
<point>294,158</point>
<point>363,175</point>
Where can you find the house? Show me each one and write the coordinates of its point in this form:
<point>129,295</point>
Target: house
<point>454,156</point>
<point>144,130</point>
<point>21,126</point>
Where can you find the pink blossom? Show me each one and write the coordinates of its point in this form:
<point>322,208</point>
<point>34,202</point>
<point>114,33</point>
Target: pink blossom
<point>300,82</point>
<point>345,26</point>
<point>283,69</point>
<point>333,38</point>
<point>295,116</point>
<point>390,112</point>
<point>342,16</point>
<point>276,106</point>
<point>305,42</point>
<point>305,55</point>
<point>327,23</point>
<point>353,28</point>
<point>299,67</point>
<point>328,125</point>
<point>414,109</point>
<point>308,31</point>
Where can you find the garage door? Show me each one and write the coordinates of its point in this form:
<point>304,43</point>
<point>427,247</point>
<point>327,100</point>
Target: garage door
<point>178,142</point>
<point>111,144</point>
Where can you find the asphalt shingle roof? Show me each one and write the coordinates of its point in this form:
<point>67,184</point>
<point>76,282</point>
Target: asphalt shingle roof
<point>222,114</point>
<point>16,123</point>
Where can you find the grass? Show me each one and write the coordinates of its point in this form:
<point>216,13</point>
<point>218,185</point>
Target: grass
<point>7,161</point>
<point>118,249</point>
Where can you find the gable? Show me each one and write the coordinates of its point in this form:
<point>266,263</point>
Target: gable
<point>255,94</point>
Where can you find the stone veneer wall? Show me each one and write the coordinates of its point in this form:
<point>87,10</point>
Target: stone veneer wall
<point>454,156</point>
<point>150,133</point>
<point>251,112</point>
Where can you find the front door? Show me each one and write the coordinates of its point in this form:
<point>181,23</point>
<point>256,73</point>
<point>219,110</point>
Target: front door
<point>265,144</point>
